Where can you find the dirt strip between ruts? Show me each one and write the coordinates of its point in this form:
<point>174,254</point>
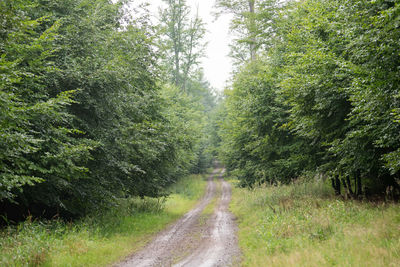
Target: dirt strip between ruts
<point>194,240</point>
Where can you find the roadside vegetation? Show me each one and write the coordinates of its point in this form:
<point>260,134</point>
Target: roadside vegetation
<point>315,94</point>
<point>99,239</point>
<point>315,91</point>
<point>304,224</point>
<point>103,112</point>
<point>91,110</point>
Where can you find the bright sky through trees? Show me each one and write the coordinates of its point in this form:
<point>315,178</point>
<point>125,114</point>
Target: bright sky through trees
<point>217,64</point>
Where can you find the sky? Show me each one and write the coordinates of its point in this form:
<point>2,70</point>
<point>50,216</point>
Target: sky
<point>217,65</point>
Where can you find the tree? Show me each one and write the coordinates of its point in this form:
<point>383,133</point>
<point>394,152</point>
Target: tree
<point>84,118</point>
<point>256,146</point>
<point>336,72</point>
<point>253,23</point>
<point>184,46</point>
<point>39,143</point>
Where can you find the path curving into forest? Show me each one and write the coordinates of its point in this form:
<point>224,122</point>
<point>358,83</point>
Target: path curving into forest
<point>196,240</point>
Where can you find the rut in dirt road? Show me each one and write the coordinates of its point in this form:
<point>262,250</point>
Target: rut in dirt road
<point>220,247</point>
<point>192,242</point>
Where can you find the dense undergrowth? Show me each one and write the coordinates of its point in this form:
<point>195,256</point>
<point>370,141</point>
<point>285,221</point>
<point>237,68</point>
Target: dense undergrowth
<point>316,92</point>
<point>88,111</point>
<point>99,239</point>
<point>303,224</point>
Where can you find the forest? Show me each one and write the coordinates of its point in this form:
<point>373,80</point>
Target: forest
<point>101,105</point>
<point>315,92</point>
<point>91,109</point>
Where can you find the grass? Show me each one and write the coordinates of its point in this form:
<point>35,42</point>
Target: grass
<point>99,240</point>
<point>304,225</point>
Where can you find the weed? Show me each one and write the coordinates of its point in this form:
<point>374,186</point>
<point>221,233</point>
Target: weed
<point>302,224</point>
<point>100,239</point>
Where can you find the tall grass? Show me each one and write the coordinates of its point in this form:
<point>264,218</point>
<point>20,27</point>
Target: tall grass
<point>100,239</point>
<point>302,224</point>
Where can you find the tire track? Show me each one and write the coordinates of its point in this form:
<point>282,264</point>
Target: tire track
<point>176,240</point>
<point>220,248</point>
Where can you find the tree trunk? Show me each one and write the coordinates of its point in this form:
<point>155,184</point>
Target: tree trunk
<point>359,186</point>
<point>349,185</point>
<point>346,188</point>
<point>252,30</point>
<point>336,185</point>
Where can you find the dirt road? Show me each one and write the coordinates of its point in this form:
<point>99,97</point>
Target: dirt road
<point>196,239</point>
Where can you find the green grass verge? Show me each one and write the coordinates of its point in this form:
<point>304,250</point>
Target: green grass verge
<point>304,225</point>
<point>100,240</point>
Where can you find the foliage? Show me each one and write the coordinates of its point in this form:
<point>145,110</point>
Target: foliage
<point>332,76</point>
<point>191,101</point>
<point>253,24</point>
<point>182,40</point>
<point>263,150</point>
<point>38,140</point>
<point>86,116</point>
